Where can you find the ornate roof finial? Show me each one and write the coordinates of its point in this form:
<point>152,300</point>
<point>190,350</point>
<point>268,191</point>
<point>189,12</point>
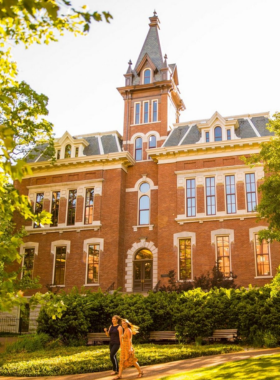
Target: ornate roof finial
<point>165,57</point>
<point>155,13</point>
<point>130,63</point>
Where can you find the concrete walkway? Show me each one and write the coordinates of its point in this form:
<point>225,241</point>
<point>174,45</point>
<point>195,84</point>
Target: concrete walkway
<point>155,372</point>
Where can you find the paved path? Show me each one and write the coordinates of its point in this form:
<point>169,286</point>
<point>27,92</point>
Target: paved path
<point>155,372</point>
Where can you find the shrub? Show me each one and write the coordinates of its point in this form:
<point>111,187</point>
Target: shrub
<point>29,343</point>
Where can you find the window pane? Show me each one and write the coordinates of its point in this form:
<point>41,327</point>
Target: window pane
<point>210,196</point>
<point>218,134</point>
<point>138,149</point>
<point>207,137</point>
<point>144,217</point>
<point>185,259</point>
<point>89,206</point>
<point>137,113</point>
<point>146,112</point>
<point>39,206</point>
<point>28,262</point>
<point>144,187</point>
<point>152,142</point>
<point>155,111</point>
<point>223,257</point>
<point>230,194</point>
<point>144,254</point>
<point>191,197</point>
<point>93,264</point>
<point>251,192</point>
<point>228,134</point>
<point>147,77</point>
<point>144,202</point>
<point>60,261</point>
<point>71,207</point>
<point>262,257</point>
<point>55,208</point>
<point>67,151</point>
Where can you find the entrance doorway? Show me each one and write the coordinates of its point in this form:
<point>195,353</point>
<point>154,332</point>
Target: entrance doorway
<point>143,271</point>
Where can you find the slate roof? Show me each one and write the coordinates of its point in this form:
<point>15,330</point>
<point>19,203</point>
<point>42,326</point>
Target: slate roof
<point>108,143</point>
<point>192,133</point>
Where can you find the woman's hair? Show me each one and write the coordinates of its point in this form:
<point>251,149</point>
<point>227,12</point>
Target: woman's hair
<point>134,328</point>
<point>118,318</point>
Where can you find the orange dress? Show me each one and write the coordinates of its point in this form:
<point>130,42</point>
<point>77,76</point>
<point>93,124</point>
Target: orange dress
<point>127,358</point>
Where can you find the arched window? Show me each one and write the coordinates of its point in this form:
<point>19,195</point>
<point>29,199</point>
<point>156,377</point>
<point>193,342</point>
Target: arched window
<point>138,149</point>
<point>144,210</point>
<point>218,134</point>
<point>144,203</point>
<point>144,254</point>
<point>152,142</point>
<point>147,76</point>
<point>67,151</point>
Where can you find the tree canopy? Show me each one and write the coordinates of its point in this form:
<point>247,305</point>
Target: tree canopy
<point>269,206</point>
<point>23,126</point>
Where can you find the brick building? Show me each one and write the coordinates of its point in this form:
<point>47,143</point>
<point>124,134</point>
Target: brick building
<point>166,195</point>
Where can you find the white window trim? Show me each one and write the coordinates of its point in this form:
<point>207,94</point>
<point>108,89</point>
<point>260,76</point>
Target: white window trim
<point>250,212</point>
<point>23,246</point>
<point>152,113</point>
<point>54,245</point>
<point>134,118</point>
<point>205,195</point>
<point>146,102</point>
<point>151,76</point>
<point>140,194</point>
<point>186,206</point>
<point>87,243</point>
<point>136,137</point>
<point>176,238</point>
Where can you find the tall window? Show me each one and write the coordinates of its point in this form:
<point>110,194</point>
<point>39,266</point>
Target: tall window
<point>67,151</point>
<point>58,154</point>
<point>218,134</point>
<point>137,113</point>
<point>251,192</point>
<point>89,206</point>
<point>138,149</point>
<point>77,152</point>
<point>146,112</point>
<point>147,76</point>
<point>230,194</point>
<point>28,262</point>
<point>93,264</point>
<point>228,134</point>
<point>207,138</point>
<point>185,259</point>
<point>72,200</point>
<point>55,208</point>
<point>59,266</point>
<point>38,206</point>
<point>262,257</point>
<point>155,110</point>
<point>223,254</point>
<point>191,197</point>
<point>210,196</point>
<point>144,203</point>
<point>152,142</point>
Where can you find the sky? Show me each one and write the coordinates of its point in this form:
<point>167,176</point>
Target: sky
<point>227,54</point>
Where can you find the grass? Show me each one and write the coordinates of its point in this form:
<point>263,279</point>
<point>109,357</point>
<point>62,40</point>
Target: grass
<point>74,360</point>
<point>260,368</point>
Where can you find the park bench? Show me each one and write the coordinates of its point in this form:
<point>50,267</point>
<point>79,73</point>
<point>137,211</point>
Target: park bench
<point>225,334</point>
<point>93,338</point>
<point>163,335</point>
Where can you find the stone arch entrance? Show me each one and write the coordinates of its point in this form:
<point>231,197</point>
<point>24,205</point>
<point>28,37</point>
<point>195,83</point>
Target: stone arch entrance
<point>143,271</point>
<point>129,262</point>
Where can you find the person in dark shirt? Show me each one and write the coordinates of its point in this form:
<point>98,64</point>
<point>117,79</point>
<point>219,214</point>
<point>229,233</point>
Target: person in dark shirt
<point>115,332</point>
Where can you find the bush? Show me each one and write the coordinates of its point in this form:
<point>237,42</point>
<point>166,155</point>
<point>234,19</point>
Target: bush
<point>29,343</point>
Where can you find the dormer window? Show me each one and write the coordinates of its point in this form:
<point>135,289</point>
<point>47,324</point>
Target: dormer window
<point>147,76</point>
<point>228,134</point>
<point>58,154</point>
<point>67,151</point>
<point>77,152</point>
<point>218,134</point>
<point>207,138</point>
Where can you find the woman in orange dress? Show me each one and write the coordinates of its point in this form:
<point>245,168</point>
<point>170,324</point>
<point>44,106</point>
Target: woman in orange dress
<point>127,358</point>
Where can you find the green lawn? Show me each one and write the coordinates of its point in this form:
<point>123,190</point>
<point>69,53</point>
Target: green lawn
<point>74,360</point>
<point>261,368</point>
